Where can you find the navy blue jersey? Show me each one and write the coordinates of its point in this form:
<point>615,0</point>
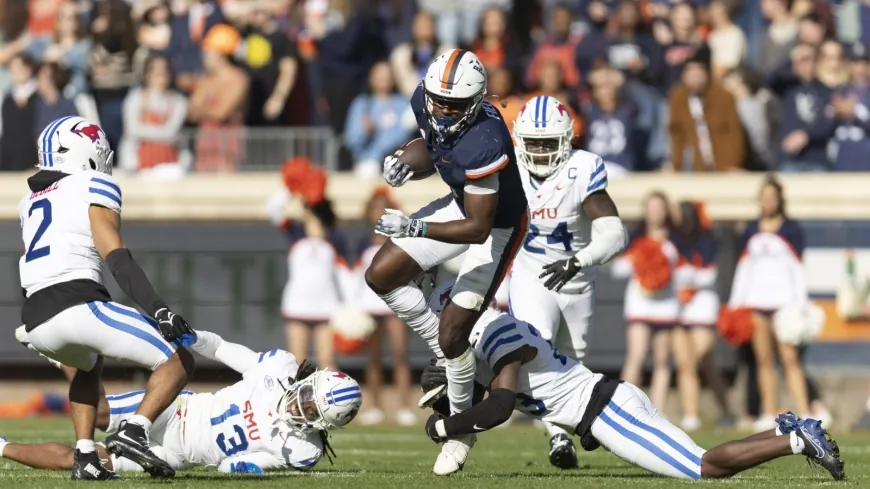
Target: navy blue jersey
<point>482,149</point>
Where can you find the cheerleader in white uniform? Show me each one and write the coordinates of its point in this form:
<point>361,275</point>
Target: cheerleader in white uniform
<point>650,314</point>
<point>385,321</point>
<point>314,270</point>
<point>769,276</point>
<point>693,341</point>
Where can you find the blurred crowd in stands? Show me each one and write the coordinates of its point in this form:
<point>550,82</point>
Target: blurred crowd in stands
<point>691,85</point>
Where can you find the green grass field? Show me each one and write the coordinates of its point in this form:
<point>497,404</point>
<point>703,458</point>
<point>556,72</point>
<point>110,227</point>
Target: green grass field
<point>381,458</point>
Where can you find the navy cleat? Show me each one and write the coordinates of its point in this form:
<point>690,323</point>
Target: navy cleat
<point>788,422</point>
<point>131,443</point>
<point>87,467</point>
<point>563,454</point>
<point>820,448</point>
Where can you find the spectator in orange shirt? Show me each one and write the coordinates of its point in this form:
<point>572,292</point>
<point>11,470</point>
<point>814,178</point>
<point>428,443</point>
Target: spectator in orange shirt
<point>560,46</point>
<point>552,83</point>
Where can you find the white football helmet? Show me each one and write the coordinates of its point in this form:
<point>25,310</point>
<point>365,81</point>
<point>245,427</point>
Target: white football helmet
<point>72,145</point>
<point>543,133</point>
<point>456,80</point>
<point>324,400</point>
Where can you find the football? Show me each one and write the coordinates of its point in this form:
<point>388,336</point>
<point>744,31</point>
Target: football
<point>416,156</point>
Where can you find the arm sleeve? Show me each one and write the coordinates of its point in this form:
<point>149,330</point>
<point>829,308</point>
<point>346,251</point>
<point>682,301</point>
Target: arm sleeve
<point>133,281</point>
<point>608,240</point>
<point>238,357</point>
<point>265,461</point>
<point>104,191</point>
<point>491,412</point>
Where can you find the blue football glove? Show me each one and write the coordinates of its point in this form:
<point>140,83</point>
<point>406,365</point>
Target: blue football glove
<point>245,468</point>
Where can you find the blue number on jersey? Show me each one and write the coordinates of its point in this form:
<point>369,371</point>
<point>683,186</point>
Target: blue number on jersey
<point>237,441</point>
<point>531,406</point>
<point>530,236</point>
<point>558,356</point>
<point>32,252</point>
<point>560,235</point>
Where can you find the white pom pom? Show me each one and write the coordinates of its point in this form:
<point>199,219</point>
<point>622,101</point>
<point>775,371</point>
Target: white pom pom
<point>352,322</point>
<point>799,324</point>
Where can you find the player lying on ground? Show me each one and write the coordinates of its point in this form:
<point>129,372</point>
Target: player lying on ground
<point>485,216</point>
<point>524,372</point>
<point>70,224</point>
<point>276,417</point>
<point>574,227</point>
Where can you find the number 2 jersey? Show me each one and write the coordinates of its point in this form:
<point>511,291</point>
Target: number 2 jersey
<point>61,266</point>
<point>552,387</point>
<point>240,420</point>
<point>558,228</point>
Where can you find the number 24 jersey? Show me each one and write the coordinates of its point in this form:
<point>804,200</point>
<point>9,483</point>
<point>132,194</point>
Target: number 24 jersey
<point>558,228</point>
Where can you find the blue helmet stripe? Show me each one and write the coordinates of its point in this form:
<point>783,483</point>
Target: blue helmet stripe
<point>46,142</point>
<point>537,111</point>
<point>544,111</point>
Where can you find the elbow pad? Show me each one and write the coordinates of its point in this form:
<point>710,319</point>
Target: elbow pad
<point>608,240</point>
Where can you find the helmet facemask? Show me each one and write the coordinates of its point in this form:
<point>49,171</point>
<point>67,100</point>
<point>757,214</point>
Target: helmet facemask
<point>543,155</point>
<point>445,126</point>
<point>298,407</point>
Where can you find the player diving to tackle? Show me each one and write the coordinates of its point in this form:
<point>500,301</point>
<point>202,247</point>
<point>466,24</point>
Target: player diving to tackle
<point>276,417</point>
<point>524,372</point>
<point>70,222</point>
<point>485,216</point>
<point>574,227</point>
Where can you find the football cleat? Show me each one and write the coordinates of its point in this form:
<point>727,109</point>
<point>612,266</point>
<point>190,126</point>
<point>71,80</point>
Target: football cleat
<point>820,448</point>
<point>131,443</point>
<point>431,397</point>
<point>563,454</point>
<point>21,336</point>
<point>788,422</point>
<point>87,467</point>
<point>453,455</point>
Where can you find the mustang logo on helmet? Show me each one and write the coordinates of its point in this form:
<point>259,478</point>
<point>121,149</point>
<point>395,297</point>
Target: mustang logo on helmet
<point>90,131</point>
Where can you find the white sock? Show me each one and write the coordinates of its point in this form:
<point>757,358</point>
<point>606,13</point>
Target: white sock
<point>409,303</point>
<point>3,444</point>
<point>460,381</point>
<point>797,443</point>
<point>86,446</point>
<point>778,431</point>
<point>554,430</point>
<point>141,421</point>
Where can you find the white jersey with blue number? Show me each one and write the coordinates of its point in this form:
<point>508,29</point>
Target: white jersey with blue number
<point>552,387</point>
<point>558,228</point>
<point>240,419</point>
<point>56,230</point>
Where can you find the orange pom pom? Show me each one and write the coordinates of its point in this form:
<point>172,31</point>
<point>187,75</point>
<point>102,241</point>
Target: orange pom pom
<point>313,189</point>
<point>736,325</point>
<point>651,266</point>
<point>347,346</point>
<point>294,173</point>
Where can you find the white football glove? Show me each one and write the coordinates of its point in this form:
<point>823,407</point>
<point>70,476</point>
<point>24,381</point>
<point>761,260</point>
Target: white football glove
<point>396,173</point>
<point>395,224</point>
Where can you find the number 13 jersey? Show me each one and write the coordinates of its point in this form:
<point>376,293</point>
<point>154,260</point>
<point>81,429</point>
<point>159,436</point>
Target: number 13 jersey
<point>558,228</point>
<point>56,230</point>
